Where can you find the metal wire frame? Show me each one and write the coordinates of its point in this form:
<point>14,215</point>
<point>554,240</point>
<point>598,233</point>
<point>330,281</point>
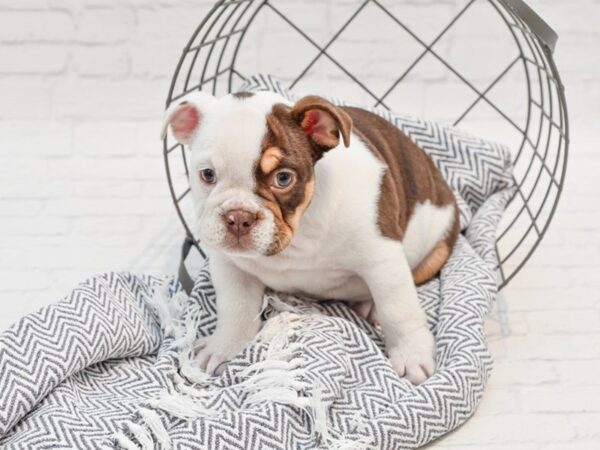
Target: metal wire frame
<point>540,159</point>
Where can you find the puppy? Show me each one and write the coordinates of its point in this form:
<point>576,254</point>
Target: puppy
<point>332,202</point>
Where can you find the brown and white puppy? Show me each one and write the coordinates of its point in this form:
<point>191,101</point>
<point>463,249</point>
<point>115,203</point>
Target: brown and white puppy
<point>332,202</point>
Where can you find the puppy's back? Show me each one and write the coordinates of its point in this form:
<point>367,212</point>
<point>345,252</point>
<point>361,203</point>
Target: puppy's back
<point>411,179</point>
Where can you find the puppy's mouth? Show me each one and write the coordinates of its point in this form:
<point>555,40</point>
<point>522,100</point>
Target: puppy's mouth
<point>238,245</point>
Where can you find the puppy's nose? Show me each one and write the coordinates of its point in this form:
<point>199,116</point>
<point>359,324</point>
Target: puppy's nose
<point>239,221</point>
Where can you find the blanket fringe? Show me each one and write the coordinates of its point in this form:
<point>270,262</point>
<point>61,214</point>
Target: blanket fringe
<point>180,406</point>
<point>123,441</point>
<point>347,444</point>
<point>280,377</point>
<point>168,307</point>
<point>152,420</point>
<point>142,435</point>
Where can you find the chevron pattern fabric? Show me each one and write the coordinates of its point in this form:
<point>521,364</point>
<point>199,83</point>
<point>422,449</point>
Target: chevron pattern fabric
<point>110,365</point>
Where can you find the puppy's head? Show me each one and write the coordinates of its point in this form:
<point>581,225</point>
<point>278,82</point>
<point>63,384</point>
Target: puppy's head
<point>252,164</point>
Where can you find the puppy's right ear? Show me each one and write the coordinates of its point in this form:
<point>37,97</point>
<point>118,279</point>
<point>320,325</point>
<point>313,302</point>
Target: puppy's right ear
<point>185,116</point>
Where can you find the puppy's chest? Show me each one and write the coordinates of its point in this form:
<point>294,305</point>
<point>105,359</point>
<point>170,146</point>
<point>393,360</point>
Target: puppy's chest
<point>316,277</point>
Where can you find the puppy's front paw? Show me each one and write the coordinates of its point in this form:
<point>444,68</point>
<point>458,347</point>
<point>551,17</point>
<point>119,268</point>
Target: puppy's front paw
<point>214,351</point>
<point>413,355</point>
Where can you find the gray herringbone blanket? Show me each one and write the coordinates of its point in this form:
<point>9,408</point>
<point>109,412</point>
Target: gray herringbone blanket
<point>110,365</point>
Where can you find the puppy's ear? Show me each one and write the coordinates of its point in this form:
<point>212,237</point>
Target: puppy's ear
<point>185,116</point>
<point>322,121</point>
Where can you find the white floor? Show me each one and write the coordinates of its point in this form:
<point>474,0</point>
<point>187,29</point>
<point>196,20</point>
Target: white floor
<point>66,212</point>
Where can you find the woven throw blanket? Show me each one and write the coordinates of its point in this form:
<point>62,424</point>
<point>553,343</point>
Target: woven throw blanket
<point>111,365</point>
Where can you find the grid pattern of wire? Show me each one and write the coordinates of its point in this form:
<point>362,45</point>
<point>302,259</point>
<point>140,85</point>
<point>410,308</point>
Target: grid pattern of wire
<point>210,63</point>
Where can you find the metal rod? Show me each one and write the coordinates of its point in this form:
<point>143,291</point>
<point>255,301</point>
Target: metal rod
<point>331,41</point>
<point>333,60</point>
<point>491,85</point>
<point>428,48</point>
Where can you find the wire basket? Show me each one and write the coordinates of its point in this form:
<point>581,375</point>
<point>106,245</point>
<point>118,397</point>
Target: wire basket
<point>483,65</point>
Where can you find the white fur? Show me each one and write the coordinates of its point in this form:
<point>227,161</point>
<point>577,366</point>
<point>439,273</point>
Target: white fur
<point>427,226</point>
<point>337,252</point>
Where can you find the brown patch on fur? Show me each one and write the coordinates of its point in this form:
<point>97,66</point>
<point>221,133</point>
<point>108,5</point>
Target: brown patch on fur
<point>432,263</point>
<point>297,137</point>
<point>243,94</point>
<point>270,160</point>
<point>285,145</point>
<point>309,191</point>
<point>411,178</point>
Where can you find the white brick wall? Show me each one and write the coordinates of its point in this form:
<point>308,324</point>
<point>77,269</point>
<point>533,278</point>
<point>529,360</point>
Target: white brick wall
<point>82,185</point>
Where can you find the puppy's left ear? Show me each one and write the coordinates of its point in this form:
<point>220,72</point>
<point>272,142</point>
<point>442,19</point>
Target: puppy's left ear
<point>186,115</point>
<point>322,121</point>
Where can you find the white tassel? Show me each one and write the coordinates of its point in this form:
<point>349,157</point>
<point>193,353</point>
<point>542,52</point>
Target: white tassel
<point>278,305</point>
<point>278,328</point>
<point>275,378</point>
<point>124,442</point>
<point>160,302</point>
<point>319,412</point>
<point>168,308</point>
<point>180,406</point>
<point>282,395</point>
<point>189,331</point>
<point>153,422</point>
<point>190,370</point>
<point>141,434</point>
<point>272,365</point>
<point>182,386</point>
<point>346,444</point>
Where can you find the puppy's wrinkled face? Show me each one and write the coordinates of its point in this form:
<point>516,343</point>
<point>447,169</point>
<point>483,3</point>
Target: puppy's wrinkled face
<point>252,165</point>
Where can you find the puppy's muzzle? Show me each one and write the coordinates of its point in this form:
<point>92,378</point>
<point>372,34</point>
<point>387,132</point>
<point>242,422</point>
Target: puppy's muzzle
<point>239,221</point>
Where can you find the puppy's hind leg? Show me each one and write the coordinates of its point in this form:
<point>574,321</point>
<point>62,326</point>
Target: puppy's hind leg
<point>435,260</point>
<point>432,264</point>
<point>410,344</point>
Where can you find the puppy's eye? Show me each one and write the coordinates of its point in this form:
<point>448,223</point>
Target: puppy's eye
<point>208,176</point>
<point>283,179</point>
